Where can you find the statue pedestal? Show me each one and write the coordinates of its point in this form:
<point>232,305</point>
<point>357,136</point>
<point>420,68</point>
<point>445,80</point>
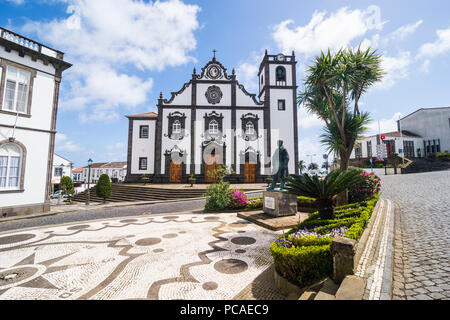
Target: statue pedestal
<point>279,204</point>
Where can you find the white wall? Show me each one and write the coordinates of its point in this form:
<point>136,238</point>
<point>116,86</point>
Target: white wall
<point>143,147</point>
<point>430,124</point>
<point>282,123</point>
<point>201,97</point>
<point>37,145</point>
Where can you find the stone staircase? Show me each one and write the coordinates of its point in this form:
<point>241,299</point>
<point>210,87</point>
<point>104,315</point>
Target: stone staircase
<point>352,288</point>
<point>133,193</point>
<point>426,165</point>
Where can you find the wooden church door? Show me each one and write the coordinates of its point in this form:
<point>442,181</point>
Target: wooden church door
<point>212,163</point>
<point>175,172</point>
<point>250,172</point>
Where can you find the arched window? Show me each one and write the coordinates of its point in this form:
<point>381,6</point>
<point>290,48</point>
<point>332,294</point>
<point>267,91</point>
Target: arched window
<point>281,74</point>
<point>176,127</point>
<point>249,128</point>
<point>10,166</point>
<point>213,127</point>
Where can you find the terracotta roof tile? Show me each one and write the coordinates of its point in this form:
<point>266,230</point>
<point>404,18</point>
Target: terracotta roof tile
<point>143,115</point>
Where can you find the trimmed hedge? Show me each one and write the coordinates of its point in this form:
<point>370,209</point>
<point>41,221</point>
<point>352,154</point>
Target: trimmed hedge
<point>310,259</point>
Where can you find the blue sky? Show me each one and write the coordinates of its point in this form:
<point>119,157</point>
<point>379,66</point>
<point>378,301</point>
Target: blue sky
<point>125,52</point>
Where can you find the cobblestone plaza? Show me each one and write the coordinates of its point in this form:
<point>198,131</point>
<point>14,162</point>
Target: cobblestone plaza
<point>422,227</point>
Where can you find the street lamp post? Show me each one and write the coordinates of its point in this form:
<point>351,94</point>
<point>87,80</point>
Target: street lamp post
<point>60,190</point>
<point>88,198</point>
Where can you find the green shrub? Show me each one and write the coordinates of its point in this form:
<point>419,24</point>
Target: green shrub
<point>66,186</point>
<point>302,265</point>
<point>305,202</point>
<point>308,259</point>
<point>218,196</point>
<point>254,203</point>
<point>103,188</point>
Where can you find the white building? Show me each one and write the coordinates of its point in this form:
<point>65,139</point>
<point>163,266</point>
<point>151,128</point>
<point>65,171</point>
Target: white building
<point>425,132</point>
<point>77,175</point>
<point>115,170</point>
<point>30,77</point>
<point>433,125</point>
<point>395,142</point>
<point>61,168</point>
<point>213,120</point>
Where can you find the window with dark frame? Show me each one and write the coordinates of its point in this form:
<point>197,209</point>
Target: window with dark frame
<point>142,163</point>
<point>143,132</point>
<point>282,105</point>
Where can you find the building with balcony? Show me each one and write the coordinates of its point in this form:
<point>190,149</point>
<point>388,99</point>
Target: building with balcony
<point>30,78</point>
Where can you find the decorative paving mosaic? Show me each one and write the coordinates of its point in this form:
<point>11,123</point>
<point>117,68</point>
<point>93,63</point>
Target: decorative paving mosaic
<point>152,257</point>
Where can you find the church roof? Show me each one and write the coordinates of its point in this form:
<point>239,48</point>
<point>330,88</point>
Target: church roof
<point>143,115</point>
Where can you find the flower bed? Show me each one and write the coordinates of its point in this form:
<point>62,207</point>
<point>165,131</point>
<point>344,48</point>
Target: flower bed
<point>366,189</point>
<point>303,254</point>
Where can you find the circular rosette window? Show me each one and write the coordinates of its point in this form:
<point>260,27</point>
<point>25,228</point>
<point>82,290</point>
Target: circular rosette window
<point>213,94</point>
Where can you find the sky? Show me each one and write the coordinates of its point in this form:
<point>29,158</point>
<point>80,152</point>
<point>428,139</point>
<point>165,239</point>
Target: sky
<point>125,52</point>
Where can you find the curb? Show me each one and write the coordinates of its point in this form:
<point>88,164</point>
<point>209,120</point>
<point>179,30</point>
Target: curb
<point>132,204</point>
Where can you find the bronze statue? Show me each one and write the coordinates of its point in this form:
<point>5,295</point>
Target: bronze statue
<point>280,162</point>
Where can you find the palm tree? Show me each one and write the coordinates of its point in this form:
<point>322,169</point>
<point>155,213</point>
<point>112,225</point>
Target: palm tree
<point>323,190</point>
<point>332,82</point>
<point>301,166</point>
<point>355,126</point>
<point>313,166</point>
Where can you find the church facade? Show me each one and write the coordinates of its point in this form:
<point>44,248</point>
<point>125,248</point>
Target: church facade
<point>214,121</point>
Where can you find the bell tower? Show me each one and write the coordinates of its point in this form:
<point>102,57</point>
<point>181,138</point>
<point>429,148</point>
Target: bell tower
<point>278,90</point>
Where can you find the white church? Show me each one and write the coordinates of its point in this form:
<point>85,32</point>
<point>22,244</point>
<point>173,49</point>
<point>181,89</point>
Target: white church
<point>212,120</point>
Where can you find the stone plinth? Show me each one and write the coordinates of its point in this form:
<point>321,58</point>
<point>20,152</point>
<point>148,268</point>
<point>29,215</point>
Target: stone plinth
<point>343,251</point>
<point>279,204</point>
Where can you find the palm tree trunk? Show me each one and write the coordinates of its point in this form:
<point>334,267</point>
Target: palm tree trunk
<point>342,198</point>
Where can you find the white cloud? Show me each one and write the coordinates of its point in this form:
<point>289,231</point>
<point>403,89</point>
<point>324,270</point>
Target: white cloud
<point>425,67</point>
<point>335,31</point>
<point>384,125</point>
<point>247,73</point>
<point>308,120</point>
<point>116,151</point>
<point>62,143</point>
<point>396,68</point>
<point>440,46</point>
<point>308,147</point>
<point>404,31</point>
<point>16,1</point>
<point>108,41</point>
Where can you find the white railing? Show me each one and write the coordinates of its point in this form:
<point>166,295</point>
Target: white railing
<point>13,37</point>
<point>30,44</point>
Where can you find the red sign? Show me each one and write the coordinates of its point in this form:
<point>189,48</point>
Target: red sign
<point>383,137</point>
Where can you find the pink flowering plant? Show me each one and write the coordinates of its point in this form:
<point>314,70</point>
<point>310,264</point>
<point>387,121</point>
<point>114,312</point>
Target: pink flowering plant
<point>365,189</point>
<point>238,199</point>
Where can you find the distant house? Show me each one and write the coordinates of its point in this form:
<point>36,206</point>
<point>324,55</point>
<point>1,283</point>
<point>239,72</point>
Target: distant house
<point>61,168</point>
<point>424,133</point>
<point>77,175</point>
<point>117,170</point>
<point>433,125</point>
<point>30,78</point>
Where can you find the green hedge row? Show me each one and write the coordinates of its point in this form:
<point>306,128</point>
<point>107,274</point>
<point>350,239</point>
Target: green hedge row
<point>310,260</point>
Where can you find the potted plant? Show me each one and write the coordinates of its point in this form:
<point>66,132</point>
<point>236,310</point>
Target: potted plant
<point>191,179</point>
<point>145,179</point>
